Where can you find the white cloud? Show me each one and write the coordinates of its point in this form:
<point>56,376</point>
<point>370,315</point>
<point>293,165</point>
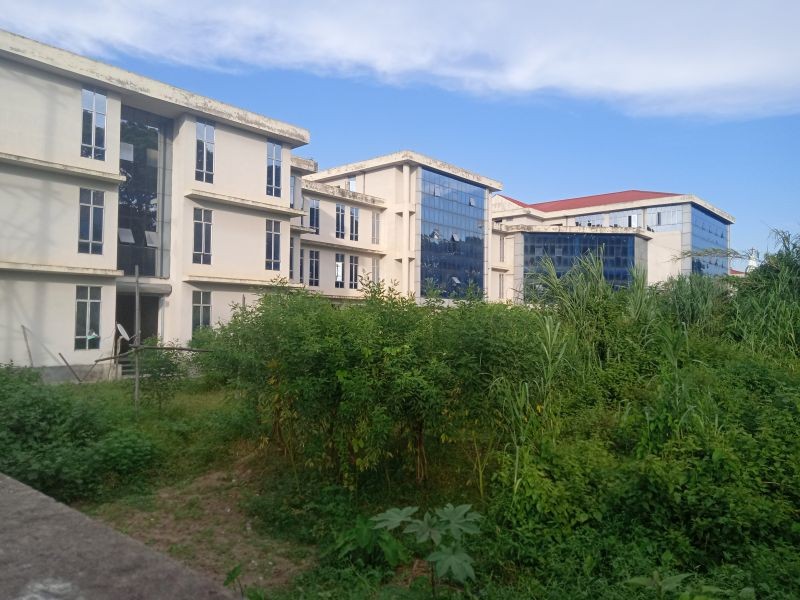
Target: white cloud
<point>706,57</point>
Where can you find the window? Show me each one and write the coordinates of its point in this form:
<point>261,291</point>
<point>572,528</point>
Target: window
<point>339,270</point>
<point>502,255</point>
<point>376,227</point>
<point>273,260</point>
<point>313,214</point>
<point>93,135</point>
<point>273,169</point>
<point>87,317</point>
<point>351,183</point>
<point>291,258</point>
<point>313,267</point>
<point>353,224</point>
<point>202,236</point>
<point>340,221</point>
<point>353,273</point>
<point>292,186</point>
<point>302,261</point>
<point>376,268</point>
<point>90,227</point>
<point>501,292</point>
<point>201,309</point>
<point>204,163</point>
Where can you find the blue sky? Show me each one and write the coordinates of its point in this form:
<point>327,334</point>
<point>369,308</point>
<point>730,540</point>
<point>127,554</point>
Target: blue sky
<point>714,111</point>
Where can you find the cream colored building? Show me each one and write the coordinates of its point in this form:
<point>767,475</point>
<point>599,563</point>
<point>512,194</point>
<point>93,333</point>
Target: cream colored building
<point>103,170</point>
<point>656,231</point>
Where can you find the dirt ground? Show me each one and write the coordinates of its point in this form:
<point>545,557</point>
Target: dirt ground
<point>202,524</point>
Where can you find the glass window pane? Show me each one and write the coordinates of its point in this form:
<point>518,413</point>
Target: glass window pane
<point>100,102</point>
<point>80,318</point>
<point>94,293</point>
<point>97,224</point>
<point>87,99</point>
<point>86,136</point>
<point>83,230</point>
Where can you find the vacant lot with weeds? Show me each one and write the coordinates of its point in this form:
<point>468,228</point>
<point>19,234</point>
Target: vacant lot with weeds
<point>598,443</point>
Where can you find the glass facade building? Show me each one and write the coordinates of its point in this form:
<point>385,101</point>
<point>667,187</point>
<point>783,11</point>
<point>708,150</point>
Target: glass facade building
<point>617,250</point>
<point>709,232</point>
<point>452,234</point>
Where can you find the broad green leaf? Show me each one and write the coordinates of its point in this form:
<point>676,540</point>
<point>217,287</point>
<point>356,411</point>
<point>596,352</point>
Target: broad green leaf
<point>393,518</point>
<point>452,561</point>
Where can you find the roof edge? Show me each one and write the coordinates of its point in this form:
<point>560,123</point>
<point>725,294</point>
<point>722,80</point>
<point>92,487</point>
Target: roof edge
<point>21,49</point>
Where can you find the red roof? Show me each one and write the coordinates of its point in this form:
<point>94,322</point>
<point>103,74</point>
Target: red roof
<point>590,201</point>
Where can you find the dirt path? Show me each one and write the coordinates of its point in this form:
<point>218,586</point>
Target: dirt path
<point>203,525</point>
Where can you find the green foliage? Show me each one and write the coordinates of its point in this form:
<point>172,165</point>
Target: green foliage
<point>606,432</point>
<point>61,445</point>
<point>162,371</point>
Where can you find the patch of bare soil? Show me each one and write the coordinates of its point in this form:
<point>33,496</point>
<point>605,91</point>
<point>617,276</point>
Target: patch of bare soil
<point>203,525</point>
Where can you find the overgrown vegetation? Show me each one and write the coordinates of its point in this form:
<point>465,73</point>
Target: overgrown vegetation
<point>606,434</point>
<point>633,443</point>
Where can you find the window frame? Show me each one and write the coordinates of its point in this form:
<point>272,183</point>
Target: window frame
<point>338,277</point>
<point>203,256</point>
<point>340,222</point>
<point>94,205</point>
<point>85,301</point>
<point>272,258</point>
<point>313,214</point>
<point>376,227</point>
<point>202,151</point>
<point>274,159</point>
<point>354,218</point>
<point>353,282</point>
<point>313,268</point>
<point>97,117</point>
<point>201,309</point>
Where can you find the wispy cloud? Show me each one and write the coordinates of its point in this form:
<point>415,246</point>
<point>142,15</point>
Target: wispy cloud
<point>703,57</point>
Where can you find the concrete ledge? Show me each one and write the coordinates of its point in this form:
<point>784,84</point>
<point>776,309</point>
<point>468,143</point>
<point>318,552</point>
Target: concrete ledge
<point>50,551</point>
<point>335,192</point>
<point>350,247</point>
<point>61,168</point>
<point>60,269</point>
<point>243,202</point>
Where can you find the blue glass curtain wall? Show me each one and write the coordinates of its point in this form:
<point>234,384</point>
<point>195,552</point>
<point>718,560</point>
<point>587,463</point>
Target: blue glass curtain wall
<point>617,250</point>
<point>452,231</point>
<point>708,232</point>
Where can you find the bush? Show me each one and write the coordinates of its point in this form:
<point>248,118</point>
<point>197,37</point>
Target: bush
<point>61,446</point>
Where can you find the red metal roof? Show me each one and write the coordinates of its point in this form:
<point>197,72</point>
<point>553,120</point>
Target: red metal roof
<point>590,201</point>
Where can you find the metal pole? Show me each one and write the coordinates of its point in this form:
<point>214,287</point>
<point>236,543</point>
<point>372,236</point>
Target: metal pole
<point>137,335</point>
<point>28,346</point>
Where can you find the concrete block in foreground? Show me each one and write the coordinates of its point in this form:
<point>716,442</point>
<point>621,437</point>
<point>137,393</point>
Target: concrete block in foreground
<point>49,551</point>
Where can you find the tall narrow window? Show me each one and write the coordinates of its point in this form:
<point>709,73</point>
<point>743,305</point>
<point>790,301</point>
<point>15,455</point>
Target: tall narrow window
<point>353,284</point>
<point>302,263</point>
<point>313,214</point>
<point>291,258</point>
<point>502,254</point>
<point>202,236</point>
<point>340,221</point>
<point>292,187</point>
<point>93,135</point>
<point>201,309</point>
<point>353,224</point>
<point>376,268</point>
<point>313,267</point>
<point>273,260</point>
<point>274,169</point>
<point>204,162</point>
<point>501,285</point>
<point>87,317</point>
<point>339,283</point>
<point>376,227</point>
<point>90,228</point>
<point>351,183</point>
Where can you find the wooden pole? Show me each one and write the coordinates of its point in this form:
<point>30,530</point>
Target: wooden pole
<point>137,335</point>
<point>27,345</point>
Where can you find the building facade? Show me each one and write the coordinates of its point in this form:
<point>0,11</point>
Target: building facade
<point>105,173</point>
<point>663,233</point>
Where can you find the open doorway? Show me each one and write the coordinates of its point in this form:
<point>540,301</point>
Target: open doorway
<point>126,315</point>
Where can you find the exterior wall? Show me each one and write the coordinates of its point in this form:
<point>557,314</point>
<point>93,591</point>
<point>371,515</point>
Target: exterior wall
<point>41,118</point>
<point>41,215</point>
<point>45,304</point>
<point>663,256</point>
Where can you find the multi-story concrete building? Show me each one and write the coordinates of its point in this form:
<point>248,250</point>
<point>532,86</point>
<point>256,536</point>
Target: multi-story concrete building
<point>103,171</point>
<point>654,230</point>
